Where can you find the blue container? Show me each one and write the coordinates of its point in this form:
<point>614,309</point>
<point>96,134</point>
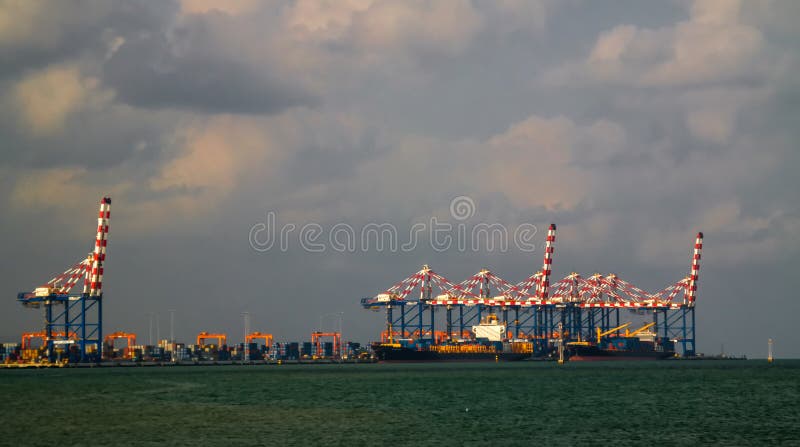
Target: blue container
<point>293,351</point>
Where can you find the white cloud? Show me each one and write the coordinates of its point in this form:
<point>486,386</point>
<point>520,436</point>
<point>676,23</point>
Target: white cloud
<point>624,52</point>
<point>376,27</point>
<point>712,45</point>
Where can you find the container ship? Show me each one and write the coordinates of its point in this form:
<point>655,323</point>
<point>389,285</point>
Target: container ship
<point>640,344</point>
<point>488,346</point>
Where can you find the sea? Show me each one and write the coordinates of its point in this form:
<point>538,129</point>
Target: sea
<point>661,403</point>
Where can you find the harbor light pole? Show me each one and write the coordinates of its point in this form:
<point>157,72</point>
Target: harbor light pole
<point>246,352</point>
<point>150,333</point>
<point>172,326</point>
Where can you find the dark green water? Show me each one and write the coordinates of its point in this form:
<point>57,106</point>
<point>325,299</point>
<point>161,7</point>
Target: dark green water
<point>655,403</point>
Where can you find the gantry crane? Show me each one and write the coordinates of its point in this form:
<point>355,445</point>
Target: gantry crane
<point>28,336</point>
<point>534,309</point>
<point>76,318</point>
<point>258,336</point>
<point>128,336</point>
<point>337,342</point>
<point>203,336</point>
<point>250,338</point>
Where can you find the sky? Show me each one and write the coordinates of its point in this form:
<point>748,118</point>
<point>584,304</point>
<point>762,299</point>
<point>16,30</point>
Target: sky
<point>630,124</point>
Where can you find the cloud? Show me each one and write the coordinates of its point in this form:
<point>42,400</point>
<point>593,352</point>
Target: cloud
<point>625,52</point>
<point>526,164</point>
<point>711,125</point>
<point>50,187</point>
<point>232,7</point>
<point>263,58</point>
<point>202,164</point>
<point>70,193</point>
<point>214,155</point>
<point>445,27</point>
<point>530,158</point>
<point>46,98</point>
<point>713,112</point>
<point>43,25</point>
<point>733,236</point>
<point>35,33</point>
<point>714,44</point>
<point>192,67</point>
<point>520,15</point>
<point>597,179</point>
<point>380,29</point>
<point>324,20</point>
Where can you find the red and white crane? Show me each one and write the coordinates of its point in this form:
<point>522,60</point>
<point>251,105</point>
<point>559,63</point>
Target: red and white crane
<point>76,318</point>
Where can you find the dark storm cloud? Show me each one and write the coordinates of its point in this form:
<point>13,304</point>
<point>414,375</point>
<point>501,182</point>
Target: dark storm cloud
<point>63,30</point>
<point>147,70</point>
<point>76,33</point>
<point>195,74</point>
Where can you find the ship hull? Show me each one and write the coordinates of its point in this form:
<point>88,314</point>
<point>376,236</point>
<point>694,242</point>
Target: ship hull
<point>402,354</point>
<point>594,354</point>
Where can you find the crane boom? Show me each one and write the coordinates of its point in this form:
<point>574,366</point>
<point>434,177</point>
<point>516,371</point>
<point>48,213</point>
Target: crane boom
<point>641,329</point>
<point>601,334</point>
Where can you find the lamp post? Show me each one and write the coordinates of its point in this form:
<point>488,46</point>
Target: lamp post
<point>150,332</point>
<point>172,325</point>
<point>246,353</point>
<point>341,337</point>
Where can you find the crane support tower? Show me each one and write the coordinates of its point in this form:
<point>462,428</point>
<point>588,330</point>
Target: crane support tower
<point>74,321</point>
<point>534,309</point>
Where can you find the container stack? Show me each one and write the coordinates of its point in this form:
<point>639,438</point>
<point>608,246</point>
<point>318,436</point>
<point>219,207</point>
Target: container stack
<point>183,354</point>
<point>9,352</point>
<point>29,355</point>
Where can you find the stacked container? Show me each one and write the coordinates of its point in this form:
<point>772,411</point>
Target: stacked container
<point>293,350</point>
<point>182,354</point>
